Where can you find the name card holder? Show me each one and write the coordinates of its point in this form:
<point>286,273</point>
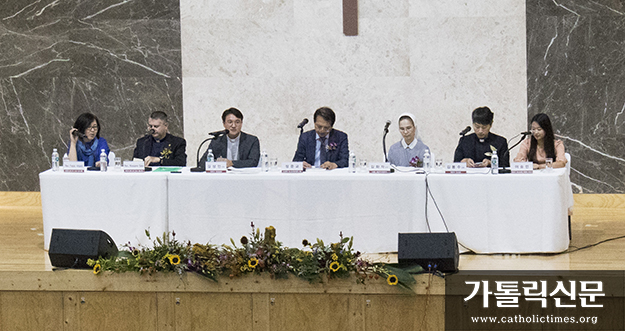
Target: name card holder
<point>522,167</point>
<point>134,166</point>
<point>456,168</point>
<point>380,168</point>
<point>216,167</point>
<point>74,167</point>
<point>292,167</point>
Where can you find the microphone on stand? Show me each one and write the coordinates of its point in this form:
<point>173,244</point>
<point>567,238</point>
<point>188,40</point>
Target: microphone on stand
<point>301,126</point>
<point>465,131</point>
<point>386,125</point>
<point>149,132</point>
<point>214,135</point>
<point>523,135</point>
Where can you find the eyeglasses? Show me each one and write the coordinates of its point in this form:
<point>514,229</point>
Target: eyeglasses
<point>93,128</point>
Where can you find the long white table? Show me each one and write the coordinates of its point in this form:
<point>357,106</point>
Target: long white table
<point>371,208</point>
<point>122,205</point>
<point>506,213</point>
<point>490,213</point>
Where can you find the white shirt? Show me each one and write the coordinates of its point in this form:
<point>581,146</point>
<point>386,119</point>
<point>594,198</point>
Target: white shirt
<point>233,148</point>
<point>412,144</point>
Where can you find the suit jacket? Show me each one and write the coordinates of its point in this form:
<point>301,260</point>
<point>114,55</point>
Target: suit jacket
<point>338,154</point>
<point>174,153</point>
<point>249,151</point>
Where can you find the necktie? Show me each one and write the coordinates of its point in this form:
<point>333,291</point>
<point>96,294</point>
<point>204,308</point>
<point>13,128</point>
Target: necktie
<point>322,150</point>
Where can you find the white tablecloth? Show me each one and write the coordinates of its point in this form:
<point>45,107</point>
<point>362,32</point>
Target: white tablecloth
<point>122,205</point>
<point>490,213</point>
<point>506,213</point>
<point>371,208</point>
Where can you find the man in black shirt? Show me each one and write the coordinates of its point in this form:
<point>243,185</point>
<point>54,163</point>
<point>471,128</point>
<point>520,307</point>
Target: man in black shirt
<point>476,149</point>
<point>159,147</point>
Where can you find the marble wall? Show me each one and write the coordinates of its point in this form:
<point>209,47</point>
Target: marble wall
<point>575,74</point>
<point>119,59</point>
<point>279,60</point>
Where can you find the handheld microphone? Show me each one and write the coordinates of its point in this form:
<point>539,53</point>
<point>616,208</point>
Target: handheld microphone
<point>218,133</point>
<point>465,131</point>
<point>301,125</point>
<point>386,125</point>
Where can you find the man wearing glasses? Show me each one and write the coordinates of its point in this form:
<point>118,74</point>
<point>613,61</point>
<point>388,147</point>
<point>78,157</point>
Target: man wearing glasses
<point>323,147</point>
<point>158,147</point>
<point>477,148</point>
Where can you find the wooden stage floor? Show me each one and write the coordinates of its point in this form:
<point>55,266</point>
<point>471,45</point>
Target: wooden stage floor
<point>595,218</point>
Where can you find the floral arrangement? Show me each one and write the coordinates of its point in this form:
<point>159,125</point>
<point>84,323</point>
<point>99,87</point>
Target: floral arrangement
<point>416,162</point>
<point>260,253</point>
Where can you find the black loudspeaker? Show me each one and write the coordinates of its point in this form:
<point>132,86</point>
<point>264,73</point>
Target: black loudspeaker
<point>436,251</point>
<point>72,248</point>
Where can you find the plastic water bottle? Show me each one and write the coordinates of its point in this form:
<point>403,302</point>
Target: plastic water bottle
<point>103,164</point>
<point>494,163</point>
<point>352,162</point>
<point>55,160</point>
<point>427,160</point>
<point>65,160</point>
<point>264,161</point>
<point>210,157</point>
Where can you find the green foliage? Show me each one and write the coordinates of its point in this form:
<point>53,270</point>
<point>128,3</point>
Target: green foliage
<point>260,253</point>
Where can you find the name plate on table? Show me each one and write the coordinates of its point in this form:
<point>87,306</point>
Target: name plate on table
<point>292,167</point>
<point>522,167</point>
<point>134,166</point>
<point>74,166</point>
<point>456,168</point>
<point>380,168</point>
<point>216,167</point>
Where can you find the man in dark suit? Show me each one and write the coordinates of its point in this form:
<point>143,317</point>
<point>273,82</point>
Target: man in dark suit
<point>323,147</point>
<point>238,149</point>
<point>161,148</point>
<point>477,148</point>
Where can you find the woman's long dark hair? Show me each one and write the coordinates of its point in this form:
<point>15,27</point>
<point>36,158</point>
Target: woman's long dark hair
<point>550,149</point>
<point>84,121</point>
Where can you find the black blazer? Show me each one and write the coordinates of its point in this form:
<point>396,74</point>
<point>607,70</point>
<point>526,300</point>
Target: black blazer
<point>177,146</point>
<point>249,151</point>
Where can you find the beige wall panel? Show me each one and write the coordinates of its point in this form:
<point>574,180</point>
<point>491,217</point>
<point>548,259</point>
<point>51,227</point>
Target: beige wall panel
<point>385,312</point>
<point>117,311</point>
<point>166,308</point>
<point>213,311</point>
<point>316,312</point>
<point>31,311</point>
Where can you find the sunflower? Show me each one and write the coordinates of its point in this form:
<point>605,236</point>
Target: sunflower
<point>252,262</point>
<point>334,257</point>
<point>173,259</point>
<point>97,269</point>
<point>392,280</point>
<point>334,266</point>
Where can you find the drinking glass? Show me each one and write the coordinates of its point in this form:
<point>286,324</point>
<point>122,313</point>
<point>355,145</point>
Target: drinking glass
<point>363,165</point>
<point>549,164</point>
<point>118,163</point>
<point>273,163</point>
<point>439,163</point>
